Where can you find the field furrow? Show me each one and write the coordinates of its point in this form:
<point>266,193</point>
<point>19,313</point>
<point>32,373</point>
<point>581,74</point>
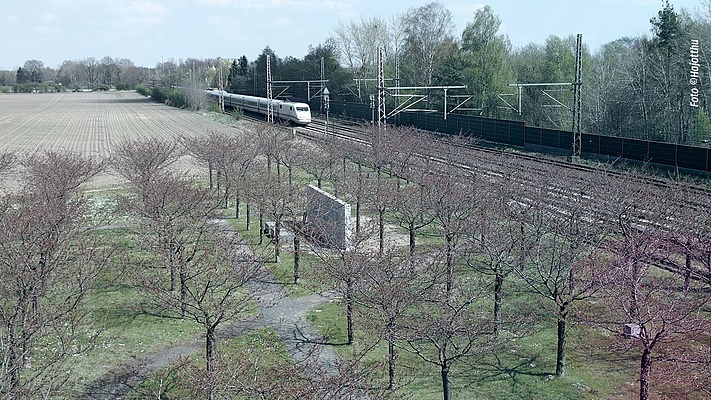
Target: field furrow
<point>90,123</point>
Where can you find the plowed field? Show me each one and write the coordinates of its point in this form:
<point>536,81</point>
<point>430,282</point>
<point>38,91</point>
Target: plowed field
<point>91,123</point>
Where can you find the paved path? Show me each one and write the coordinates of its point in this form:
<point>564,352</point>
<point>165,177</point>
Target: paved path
<point>286,315</point>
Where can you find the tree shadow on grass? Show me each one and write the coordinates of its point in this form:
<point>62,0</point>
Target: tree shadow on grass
<point>485,372</point>
<point>308,338</point>
<point>501,370</point>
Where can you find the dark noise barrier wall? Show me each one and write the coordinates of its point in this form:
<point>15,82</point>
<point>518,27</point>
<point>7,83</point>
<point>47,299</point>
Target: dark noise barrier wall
<point>516,133</point>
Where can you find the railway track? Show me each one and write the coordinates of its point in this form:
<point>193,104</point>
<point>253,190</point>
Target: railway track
<point>520,168</point>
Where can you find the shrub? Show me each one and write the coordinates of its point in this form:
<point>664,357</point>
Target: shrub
<point>143,89</point>
<point>159,94</point>
<point>176,98</point>
<point>23,88</point>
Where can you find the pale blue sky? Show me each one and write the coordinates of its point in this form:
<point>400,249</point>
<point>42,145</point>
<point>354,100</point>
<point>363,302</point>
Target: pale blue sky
<point>147,31</point>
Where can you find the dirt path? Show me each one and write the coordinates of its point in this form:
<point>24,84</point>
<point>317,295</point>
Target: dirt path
<point>286,315</point>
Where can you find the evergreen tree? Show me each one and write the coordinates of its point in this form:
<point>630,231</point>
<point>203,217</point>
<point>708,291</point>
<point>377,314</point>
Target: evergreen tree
<point>233,78</point>
<point>666,27</point>
<point>22,76</point>
<point>243,66</point>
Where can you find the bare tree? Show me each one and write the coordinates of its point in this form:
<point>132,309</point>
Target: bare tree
<point>453,201</point>
<point>427,28</point>
<point>68,172</point>
<point>140,160</point>
<point>563,264</point>
<point>91,69</point>
<point>380,195</point>
<point>173,217</point>
<point>48,262</point>
<point>7,161</point>
<point>212,291</point>
<point>260,372</point>
<point>501,242</point>
<point>319,164</point>
<point>358,42</point>
<point>238,167</point>
<point>391,285</point>
<point>209,151</point>
<point>279,201</point>
<point>660,308</point>
<point>664,317</point>
<point>343,269</point>
<point>410,211</point>
<point>448,325</point>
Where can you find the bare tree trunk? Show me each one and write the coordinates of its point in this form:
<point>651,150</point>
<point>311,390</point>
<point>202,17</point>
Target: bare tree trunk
<point>644,370</point>
<point>183,287</point>
<point>247,216</point>
<point>209,173</point>
<point>450,263</point>
<point>411,234</point>
<point>261,227</point>
<point>446,390</point>
<point>381,230</point>
<point>498,289</point>
<point>277,239</point>
<point>210,348</point>
<point>349,310</point>
<point>12,359</point>
<point>237,203</point>
<point>358,216</point>
<point>562,336</point>
<point>687,272</point>
<point>210,360</point>
<point>171,260</point>
<point>392,354</point>
<point>296,259</point>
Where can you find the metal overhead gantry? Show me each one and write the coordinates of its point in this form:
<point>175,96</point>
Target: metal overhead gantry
<point>308,87</point>
<point>358,81</point>
<point>520,86</point>
<point>414,98</point>
<point>575,86</point>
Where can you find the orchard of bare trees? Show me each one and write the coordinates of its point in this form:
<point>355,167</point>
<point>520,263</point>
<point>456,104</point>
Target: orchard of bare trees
<point>464,269</point>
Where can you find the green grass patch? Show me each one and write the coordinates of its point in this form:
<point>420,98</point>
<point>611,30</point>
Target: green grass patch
<point>244,365</point>
<point>130,325</point>
<point>283,271</point>
<point>128,329</point>
<point>522,369</point>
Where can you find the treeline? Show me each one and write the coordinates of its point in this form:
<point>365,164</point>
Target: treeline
<point>647,87</point>
<point>639,87</point>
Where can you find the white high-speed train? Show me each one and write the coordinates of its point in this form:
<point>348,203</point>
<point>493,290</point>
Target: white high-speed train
<point>298,113</point>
